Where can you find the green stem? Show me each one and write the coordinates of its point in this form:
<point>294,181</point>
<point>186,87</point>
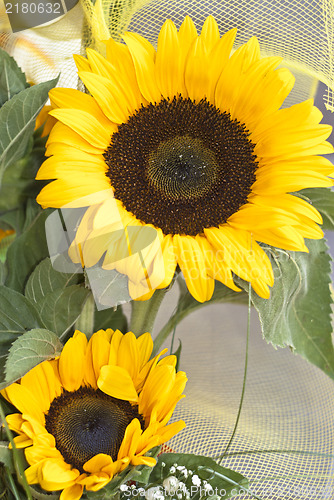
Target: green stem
<point>279,452</point>
<point>12,484</point>
<point>85,322</point>
<point>245,375</point>
<point>144,312</point>
<point>17,458</point>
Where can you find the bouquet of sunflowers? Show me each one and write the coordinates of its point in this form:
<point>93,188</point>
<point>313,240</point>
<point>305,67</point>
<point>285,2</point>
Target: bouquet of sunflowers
<point>176,161</point>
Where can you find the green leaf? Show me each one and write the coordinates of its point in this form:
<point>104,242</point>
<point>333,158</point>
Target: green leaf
<point>28,250</point>
<point>298,313</point>
<point>45,280</point>
<point>110,318</point>
<point>17,121</point>
<point>323,200</point>
<point>12,80</point>
<point>61,308</point>
<point>18,184</point>
<point>13,219</point>
<point>29,350</point>
<point>6,456</point>
<point>17,316</point>
<point>187,304</point>
<point>3,273</point>
<point>4,245</point>
<point>222,481</point>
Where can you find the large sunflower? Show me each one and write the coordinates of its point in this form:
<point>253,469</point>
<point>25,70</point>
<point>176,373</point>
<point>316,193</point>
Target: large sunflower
<point>99,407</point>
<point>192,142</point>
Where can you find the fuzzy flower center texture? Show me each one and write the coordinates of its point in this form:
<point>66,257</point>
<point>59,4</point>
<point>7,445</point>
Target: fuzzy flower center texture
<point>87,422</point>
<point>192,164</point>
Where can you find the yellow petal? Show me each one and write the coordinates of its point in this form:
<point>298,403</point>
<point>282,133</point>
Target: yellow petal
<point>108,95</point>
<point>233,73</point>
<point>192,264</point>
<point>43,382</point>
<point>97,355</point>
<point>143,57</point>
<point>128,354</point>
<point>145,348</point>
<point>73,492</point>
<point>215,265</point>
<point>61,192</point>
<point>61,134</point>
<point>170,82</point>
<point>97,463</point>
<point>72,361</point>
<point>196,71</point>
<point>86,125</point>
<point>117,383</point>
<point>217,60</point>
<point>210,32</point>
<point>130,440</point>
<point>118,75</point>
<point>81,63</point>
<point>25,401</point>
<point>169,260</point>
<point>56,475</point>
<point>61,166</point>
<point>119,56</point>
<point>187,34</point>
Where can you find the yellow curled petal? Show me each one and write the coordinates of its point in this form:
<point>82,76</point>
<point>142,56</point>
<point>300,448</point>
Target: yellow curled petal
<point>117,383</point>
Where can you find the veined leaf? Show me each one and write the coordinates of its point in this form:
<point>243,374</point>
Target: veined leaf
<point>45,280</point>
<point>17,120</point>
<point>29,350</point>
<point>17,316</point>
<point>323,200</point>
<point>61,308</point>
<point>28,250</point>
<point>298,313</point>
<point>12,79</point>
<point>193,470</point>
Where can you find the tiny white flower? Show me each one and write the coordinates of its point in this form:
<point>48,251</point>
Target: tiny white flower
<point>171,484</point>
<point>196,480</point>
<point>154,493</point>
<point>124,487</point>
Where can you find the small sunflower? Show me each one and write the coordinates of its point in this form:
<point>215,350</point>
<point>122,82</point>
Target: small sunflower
<point>191,141</point>
<point>99,407</point>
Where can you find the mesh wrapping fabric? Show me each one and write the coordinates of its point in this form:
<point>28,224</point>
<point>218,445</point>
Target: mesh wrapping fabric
<point>302,31</point>
<point>284,440</point>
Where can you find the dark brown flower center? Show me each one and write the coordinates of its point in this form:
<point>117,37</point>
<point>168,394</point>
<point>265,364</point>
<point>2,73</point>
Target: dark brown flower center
<point>181,166</point>
<point>87,422</point>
